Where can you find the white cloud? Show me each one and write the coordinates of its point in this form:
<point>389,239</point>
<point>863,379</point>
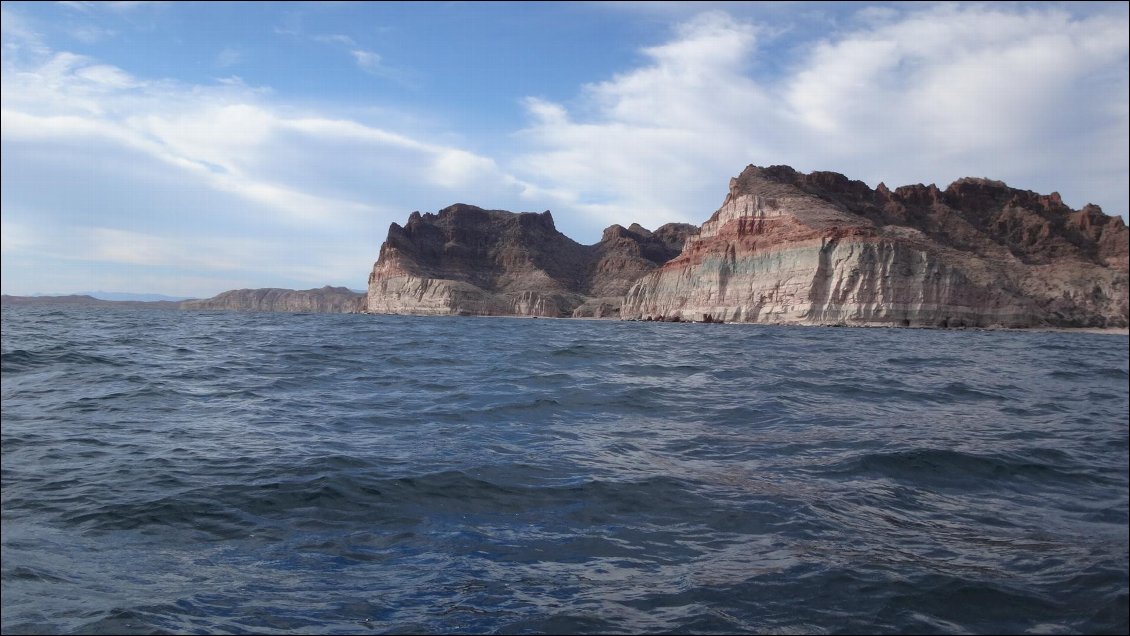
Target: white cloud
<point>1033,96</point>
<point>460,169</point>
<point>226,139</point>
<point>106,76</point>
<point>336,38</point>
<point>118,5</point>
<point>91,33</point>
<point>213,178</point>
<point>225,182</point>
<point>655,132</point>
<point>366,60</point>
<point>19,38</point>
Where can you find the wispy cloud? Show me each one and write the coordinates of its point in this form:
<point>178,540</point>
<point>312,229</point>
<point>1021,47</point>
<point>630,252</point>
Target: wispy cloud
<point>91,33</point>
<point>179,176</point>
<point>336,39</point>
<point>228,57</point>
<point>20,40</point>
<point>366,60</point>
<point>119,6</point>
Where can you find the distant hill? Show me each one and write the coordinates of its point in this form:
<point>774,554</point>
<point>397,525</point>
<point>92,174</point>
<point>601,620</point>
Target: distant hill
<point>85,300</point>
<point>102,295</point>
<point>323,300</point>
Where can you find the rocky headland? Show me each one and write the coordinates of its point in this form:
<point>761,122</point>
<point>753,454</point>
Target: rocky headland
<point>465,260</point>
<point>322,300</point>
<point>785,247</point>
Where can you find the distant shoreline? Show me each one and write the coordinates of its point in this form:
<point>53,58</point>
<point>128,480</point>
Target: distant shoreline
<point>89,301</point>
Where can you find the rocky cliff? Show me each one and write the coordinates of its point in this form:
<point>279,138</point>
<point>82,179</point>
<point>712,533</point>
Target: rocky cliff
<point>465,260</point>
<point>787,247</point>
<point>323,300</point>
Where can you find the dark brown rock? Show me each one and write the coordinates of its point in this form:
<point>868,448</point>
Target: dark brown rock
<point>467,260</point>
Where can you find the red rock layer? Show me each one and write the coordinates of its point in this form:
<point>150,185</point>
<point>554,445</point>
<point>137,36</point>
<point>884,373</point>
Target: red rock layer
<point>820,248</point>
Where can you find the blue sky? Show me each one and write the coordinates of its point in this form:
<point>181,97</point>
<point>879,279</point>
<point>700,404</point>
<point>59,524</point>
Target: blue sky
<point>191,148</point>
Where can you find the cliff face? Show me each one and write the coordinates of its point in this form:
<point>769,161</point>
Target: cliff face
<point>623,256</point>
<point>465,260</point>
<point>324,300</point>
<point>787,247</point>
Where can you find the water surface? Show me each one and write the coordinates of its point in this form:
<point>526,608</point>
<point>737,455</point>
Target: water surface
<point>202,472</point>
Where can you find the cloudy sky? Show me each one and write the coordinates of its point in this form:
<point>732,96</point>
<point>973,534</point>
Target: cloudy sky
<point>191,148</point>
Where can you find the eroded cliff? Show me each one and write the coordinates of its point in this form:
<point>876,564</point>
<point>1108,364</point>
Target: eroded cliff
<point>465,260</point>
<point>787,247</point>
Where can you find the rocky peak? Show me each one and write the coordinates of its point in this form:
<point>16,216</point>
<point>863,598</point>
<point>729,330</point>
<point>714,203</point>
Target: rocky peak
<point>979,196</point>
<point>778,173</point>
<point>639,229</point>
<point>675,235</point>
<point>616,231</point>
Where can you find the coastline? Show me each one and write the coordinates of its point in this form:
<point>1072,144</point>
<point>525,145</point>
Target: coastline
<point>1110,331</point>
<point>47,301</point>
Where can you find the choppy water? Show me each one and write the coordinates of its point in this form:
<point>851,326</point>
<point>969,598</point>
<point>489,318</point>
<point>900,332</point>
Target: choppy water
<point>273,473</point>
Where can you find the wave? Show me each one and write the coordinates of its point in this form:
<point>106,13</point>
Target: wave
<point>290,473</point>
<point>956,469</point>
<point>20,360</point>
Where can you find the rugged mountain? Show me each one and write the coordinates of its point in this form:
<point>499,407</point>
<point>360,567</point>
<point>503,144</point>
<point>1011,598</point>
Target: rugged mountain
<point>787,247</point>
<point>465,260</point>
<point>323,300</point>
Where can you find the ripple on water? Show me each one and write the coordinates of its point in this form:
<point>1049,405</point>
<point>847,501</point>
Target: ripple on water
<point>345,473</point>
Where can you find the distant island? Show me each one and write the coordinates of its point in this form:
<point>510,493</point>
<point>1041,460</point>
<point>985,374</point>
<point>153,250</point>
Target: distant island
<point>322,300</point>
<point>784,248</point>
<point>86,300</point>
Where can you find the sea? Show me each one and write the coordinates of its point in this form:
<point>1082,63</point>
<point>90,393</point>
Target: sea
<point>219,472</point>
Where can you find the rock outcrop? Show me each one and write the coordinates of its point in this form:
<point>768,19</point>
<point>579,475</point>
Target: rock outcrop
<point>465,260</point>
<point>787,247</point>
<point>323,300</point>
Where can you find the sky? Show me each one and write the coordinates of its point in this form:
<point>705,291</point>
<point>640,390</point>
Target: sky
<point>190,148</point>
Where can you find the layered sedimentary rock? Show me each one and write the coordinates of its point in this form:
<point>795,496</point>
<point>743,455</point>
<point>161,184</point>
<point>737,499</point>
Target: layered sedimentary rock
<point>787,247</point>
<point>465,260</point>
<point>323,300</point>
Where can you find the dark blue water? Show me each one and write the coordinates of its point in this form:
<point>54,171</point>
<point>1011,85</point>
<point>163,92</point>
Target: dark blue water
<point>171,471</point>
